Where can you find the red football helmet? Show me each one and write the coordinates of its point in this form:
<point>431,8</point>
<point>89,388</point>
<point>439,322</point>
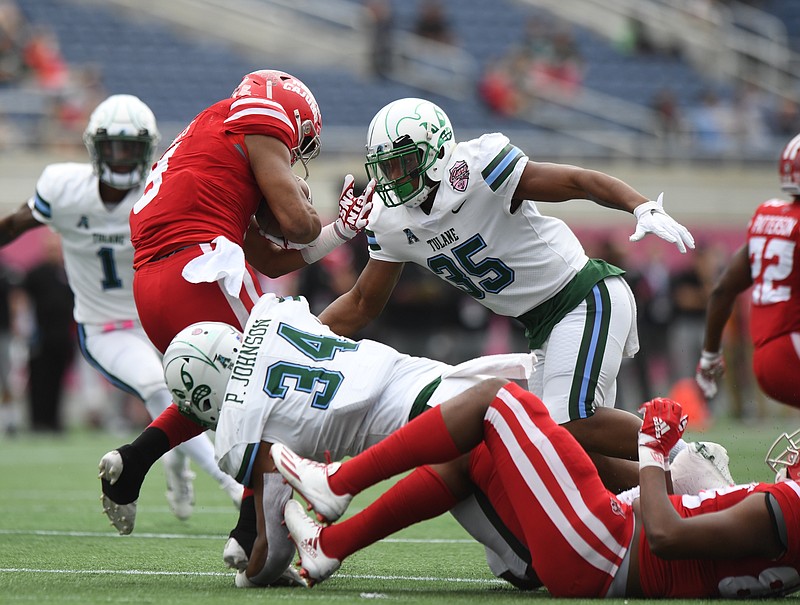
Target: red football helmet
<point>790,167</point>
<point>298,102</point>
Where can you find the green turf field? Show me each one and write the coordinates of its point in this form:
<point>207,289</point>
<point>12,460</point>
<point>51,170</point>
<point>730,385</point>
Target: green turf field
<point>56,545</point>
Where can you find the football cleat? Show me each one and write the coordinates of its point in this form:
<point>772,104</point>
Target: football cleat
<point>316,566</point>
<point>310,480</point>
<point>701,465</point>
<point>180,489</point>
<point>110,467</point>
<point>234,556</point>
<point>121,516</point>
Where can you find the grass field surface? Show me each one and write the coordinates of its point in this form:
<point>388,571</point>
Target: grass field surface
<point>56,546</point>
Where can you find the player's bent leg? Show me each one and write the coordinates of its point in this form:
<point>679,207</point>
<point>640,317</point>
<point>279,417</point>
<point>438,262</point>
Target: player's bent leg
<point>776,365</point>
<point>180,484</point>
<point>557,496</point>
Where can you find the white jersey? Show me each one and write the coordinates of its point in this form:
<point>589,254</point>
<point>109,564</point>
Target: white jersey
<point>510,263</point>
<point>96,241</point>
<point>295,382</point>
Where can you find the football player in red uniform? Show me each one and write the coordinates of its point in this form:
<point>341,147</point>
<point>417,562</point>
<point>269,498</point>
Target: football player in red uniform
<point>584,541</point>
<point>769,261</point>
<point>196,240</point>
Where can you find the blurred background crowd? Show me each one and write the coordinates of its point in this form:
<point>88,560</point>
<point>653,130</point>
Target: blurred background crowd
<point>696,97</point>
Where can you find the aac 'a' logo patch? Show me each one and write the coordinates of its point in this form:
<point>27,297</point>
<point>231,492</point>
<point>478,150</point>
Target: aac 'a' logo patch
<point>459,176</point>
<point>412,239</point>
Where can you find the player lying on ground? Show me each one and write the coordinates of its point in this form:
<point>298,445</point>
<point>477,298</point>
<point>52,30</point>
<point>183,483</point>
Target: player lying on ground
<point>290,379</point>
<point>584,541</point>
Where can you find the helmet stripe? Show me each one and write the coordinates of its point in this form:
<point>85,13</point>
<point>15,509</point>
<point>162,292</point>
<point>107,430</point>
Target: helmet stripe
<point>790,152</point>
<point>280,115</point>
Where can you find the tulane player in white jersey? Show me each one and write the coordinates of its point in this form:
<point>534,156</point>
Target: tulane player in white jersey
<point>465,211</point>
<point>289,379</point>
<point>88,205</point>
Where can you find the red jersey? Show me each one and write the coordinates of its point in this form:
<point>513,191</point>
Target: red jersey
<point>203,186</point>
<point>735,578</point>
<point>772,238</point>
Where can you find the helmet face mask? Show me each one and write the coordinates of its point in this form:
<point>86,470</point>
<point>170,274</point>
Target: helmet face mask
<point>296,100</point>
<point>789,167</point>
<point>197,365</point>
<point>121,137</point>
<point>409,143</point>
<point>783,456</point>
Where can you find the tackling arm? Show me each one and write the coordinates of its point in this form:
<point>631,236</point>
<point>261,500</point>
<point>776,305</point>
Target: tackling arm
<point>17,223</point>
<point>561,182</point>
<point>364,302</point>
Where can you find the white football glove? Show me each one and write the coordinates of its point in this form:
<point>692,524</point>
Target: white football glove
<point>651,218</point>
<point>353,211</point>
<point>709,369</point>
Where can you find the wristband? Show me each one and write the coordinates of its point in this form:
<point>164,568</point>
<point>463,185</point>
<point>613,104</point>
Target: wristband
<point>650,457</point>
<point>242,581</point>
<point>710,357</point>
<point>327,240</point>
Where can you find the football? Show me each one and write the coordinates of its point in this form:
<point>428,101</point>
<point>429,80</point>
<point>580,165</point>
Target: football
<point>266,220</point>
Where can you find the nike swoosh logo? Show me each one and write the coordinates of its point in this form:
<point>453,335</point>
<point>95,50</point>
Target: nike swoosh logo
<point>457,210</point>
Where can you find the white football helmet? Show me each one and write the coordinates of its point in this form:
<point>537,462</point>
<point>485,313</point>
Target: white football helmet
<point>122,137</point>
<point>783,457</point>
<point>409,143</point>
<point>701,465</point>
<point>789,167</point>
<point>197,365</point>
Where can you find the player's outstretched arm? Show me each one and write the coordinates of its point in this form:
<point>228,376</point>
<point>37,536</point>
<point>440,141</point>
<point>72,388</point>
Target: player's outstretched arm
<point>17,223</point>
<point>560,182</point>
<point>365,300</point>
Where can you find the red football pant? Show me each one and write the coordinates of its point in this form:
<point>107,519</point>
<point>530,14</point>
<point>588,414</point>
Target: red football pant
<point>577,531</point>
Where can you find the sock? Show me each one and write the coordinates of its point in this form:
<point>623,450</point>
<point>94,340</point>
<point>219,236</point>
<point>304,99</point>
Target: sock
<point>245,530</point>
<point>177,427</point>
<point>676,449</point>
<point>424,440</point>
<point>137,458</point>
<point>420,496</point>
